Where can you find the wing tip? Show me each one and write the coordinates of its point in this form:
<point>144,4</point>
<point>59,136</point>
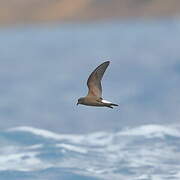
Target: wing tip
<point>107,62</point>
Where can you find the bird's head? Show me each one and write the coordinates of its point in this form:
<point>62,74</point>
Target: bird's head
<point>80,100</point>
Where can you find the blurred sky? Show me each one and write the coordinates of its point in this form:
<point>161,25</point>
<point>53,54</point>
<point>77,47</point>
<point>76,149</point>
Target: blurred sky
<point>43,71</point>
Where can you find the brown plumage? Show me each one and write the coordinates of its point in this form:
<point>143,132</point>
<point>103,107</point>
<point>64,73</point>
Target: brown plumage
<point>94,96</point>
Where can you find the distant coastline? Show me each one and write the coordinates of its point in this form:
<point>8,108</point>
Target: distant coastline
<point>37,11</point>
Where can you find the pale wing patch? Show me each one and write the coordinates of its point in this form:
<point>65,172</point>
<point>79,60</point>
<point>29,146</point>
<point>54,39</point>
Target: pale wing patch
<point>108,102</point>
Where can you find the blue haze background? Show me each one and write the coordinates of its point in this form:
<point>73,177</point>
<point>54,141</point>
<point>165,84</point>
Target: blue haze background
<point>43,71</point>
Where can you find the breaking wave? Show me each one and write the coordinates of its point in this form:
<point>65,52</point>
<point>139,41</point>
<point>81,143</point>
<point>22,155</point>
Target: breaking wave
<point>141,153</point>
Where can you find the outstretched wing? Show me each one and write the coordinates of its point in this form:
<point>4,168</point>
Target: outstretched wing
<point>94,80</point>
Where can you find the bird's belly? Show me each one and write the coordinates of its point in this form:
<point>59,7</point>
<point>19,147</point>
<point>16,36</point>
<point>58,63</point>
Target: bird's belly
<point>98,105</point>
<point>93,104</point>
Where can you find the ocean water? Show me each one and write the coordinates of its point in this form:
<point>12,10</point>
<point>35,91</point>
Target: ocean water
<point>149,152</point>
<point>43,71</point>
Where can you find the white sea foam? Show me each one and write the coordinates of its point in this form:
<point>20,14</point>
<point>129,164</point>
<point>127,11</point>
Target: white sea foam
<point>151,131</point>
<point>72,148</point>
<point>34,147</point>
<point>132,153</point>
<point>105,137</point>
<point>48,134</point>
<point>24,161</point>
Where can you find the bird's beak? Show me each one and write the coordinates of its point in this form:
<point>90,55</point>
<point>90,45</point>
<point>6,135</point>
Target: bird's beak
<point>77,104</point>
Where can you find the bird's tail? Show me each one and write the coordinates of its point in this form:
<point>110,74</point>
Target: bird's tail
<point>114,104</point>
<point>111,105</point>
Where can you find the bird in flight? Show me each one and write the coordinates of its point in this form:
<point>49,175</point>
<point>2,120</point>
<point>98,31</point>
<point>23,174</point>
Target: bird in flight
<point>94,96</point>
